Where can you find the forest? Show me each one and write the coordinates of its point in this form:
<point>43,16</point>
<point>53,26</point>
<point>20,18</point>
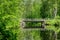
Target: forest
<point>24,19</point>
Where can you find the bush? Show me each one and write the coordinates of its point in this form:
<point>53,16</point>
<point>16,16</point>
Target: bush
<point>9,19</point>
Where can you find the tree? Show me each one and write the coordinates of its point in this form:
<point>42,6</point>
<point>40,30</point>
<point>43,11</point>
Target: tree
<point>9,19</point>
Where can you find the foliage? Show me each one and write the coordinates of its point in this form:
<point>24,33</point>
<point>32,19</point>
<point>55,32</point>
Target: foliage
<point>9,11</point>
<point>44,9</point>
<point>12,11</point>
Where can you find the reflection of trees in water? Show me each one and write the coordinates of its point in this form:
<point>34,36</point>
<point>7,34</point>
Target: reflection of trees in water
<point>48,35</point>
<point>44,35</point>
<point>28,35</point>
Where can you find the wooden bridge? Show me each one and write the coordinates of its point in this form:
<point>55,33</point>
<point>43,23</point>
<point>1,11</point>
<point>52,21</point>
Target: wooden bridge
<point>40,27</point>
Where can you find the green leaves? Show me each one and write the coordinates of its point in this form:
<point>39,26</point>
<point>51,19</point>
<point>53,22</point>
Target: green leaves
<point>9,19</point>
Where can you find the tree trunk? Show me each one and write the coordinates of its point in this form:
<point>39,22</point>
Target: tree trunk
<point>55,36</point>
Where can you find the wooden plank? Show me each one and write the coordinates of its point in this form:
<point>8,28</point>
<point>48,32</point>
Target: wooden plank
<point>33,20</point>
<point>34,29</point>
